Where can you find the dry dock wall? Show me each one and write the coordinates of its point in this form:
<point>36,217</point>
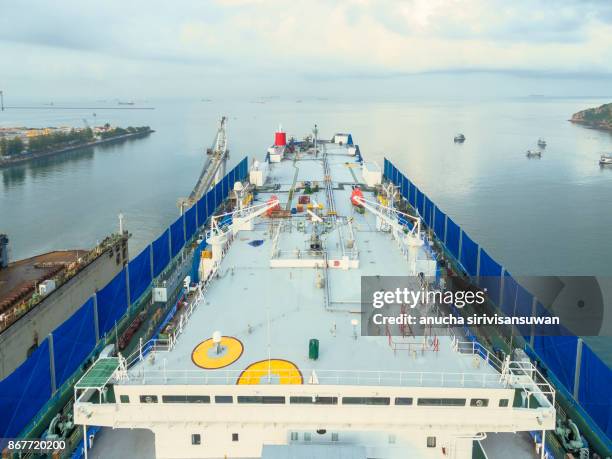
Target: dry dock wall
<point>22,337</point>
<point>63,349</point>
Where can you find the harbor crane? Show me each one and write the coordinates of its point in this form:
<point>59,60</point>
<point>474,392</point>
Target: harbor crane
<point>213,170</point>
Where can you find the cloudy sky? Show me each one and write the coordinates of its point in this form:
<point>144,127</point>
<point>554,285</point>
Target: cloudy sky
<point>144,48</point>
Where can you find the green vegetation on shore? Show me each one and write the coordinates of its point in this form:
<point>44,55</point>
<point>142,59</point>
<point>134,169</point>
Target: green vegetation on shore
<point>121,131</point>
<point>60,140</point>
<point>10,147</point>
<point>598,117</point>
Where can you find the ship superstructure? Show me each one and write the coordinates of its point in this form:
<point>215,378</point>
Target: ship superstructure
<point>269,360</point>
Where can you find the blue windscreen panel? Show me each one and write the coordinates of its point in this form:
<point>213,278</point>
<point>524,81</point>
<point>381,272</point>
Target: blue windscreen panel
<point>201,212</point>
<point>112,302</point>
<point>218,194</point>
<point>509,296</point>
<point>73,341</point>
<point>524,308</point>
<point>386,169</point>
<point>404,187</point>
<point>177,236</point>
<point>190,222</point>
<point>140,274</point>
<point>490,276</point>
<point>210,202</point>
<point>452,237</point>
<point>595,383</point>
<point>412,193</point>
<point>25,391</point>
<point>420,202</point>
<point>439,223</point>
<point>232,178</point>
<point>396,175</point>
<point>559,354</point>
<point>469,254</point>
<point>161,253</point>
<point>243,168</point>
<point>224,186</point>
<point>428,212</point>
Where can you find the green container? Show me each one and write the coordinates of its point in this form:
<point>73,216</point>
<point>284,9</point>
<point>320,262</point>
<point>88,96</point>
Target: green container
<point>313,349</point>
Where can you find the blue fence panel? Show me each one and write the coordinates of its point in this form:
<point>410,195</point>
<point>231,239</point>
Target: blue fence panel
<point>177,236</point>
<point>439,223</point>
<point>420,202</point>
<point>559,355</point>
<point>509,296</point>
<point>112,302</point>
<point>452,237</point>
<point>202,213</point>
<point>161,253</point>
<point>224,186</point>
<point>210,202</point>
<point>73,341</point>
<point>25,391</point>
<point>594,391</point>
<point>524,308</point>
<point>140,273</point>
<point>190,222</point>
<point>244,170</point>
<point>490,276</point>
<point>428,212</point>
<point>218,194</point>
<point>232,178</point>
<point>469,254</point>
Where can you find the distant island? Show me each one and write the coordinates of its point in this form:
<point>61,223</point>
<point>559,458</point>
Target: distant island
<point>598,118</point>
<point>21,144</point>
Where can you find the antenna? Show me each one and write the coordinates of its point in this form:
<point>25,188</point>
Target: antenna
<point>1,101</point>
<point>120,223</point>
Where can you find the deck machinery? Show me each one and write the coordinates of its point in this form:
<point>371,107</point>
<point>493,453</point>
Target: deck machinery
<point>269,361</point>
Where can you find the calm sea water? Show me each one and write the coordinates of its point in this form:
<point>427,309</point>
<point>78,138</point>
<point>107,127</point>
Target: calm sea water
<point>547,216</point>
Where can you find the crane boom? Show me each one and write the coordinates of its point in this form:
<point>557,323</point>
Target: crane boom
<point>214,167</point>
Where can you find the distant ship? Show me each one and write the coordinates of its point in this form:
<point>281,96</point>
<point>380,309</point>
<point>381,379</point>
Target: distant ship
<point>541,143</point>
<point>459,138</point>
<point>534,154</point>
<point>605,160</point>
<point>125,103</point>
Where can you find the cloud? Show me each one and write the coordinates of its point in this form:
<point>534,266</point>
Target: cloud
<point>310,39</point>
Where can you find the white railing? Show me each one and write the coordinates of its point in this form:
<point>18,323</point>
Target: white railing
<point>142,375</point>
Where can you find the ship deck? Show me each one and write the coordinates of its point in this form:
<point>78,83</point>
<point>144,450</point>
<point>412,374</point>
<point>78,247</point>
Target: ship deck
<point>273,312</point>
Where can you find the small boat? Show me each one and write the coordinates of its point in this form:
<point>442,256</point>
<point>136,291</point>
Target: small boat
<point>541,143</point>
<point>534,154</point>
<point>605,160</point>
<point>459,138</point>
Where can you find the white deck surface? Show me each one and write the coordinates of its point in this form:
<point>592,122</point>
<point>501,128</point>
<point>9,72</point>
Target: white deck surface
<point>276,311</point>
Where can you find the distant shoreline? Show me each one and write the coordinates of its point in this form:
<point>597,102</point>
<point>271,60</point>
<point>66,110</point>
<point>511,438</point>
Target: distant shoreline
<point>595,118</point>
<point>591,125</point>
<point>25,157</point>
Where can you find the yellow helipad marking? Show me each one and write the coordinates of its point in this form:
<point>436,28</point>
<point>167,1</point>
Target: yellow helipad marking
<point>204,355</point>
<point>287,372</point>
